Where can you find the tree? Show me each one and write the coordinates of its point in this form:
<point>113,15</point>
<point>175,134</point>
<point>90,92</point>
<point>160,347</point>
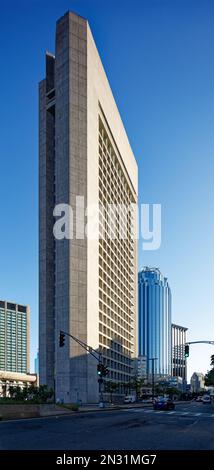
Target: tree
<point>209,377</point>
<point>11,391</point>
<point>159,389</point>
<point>41,394</point>
<point>126,387</point>
<point>137,384</point>
<point>44,393</point>
<point>15,392</point>
<point>166,389</point>
<point>111,387</point>
<point>212,360</point>
<point>172,391</point>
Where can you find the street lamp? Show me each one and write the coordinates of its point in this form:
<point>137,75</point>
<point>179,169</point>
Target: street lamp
<point>153,359</point>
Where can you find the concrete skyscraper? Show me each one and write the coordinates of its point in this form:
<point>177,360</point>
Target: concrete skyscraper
<point>87,284</point>
<point>154,301</point>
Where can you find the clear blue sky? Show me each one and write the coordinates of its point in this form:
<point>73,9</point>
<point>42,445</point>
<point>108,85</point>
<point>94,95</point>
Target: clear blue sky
<point>159,58</point>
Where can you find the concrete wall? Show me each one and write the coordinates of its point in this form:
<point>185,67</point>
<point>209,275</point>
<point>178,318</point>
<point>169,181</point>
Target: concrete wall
<point>12,411</point>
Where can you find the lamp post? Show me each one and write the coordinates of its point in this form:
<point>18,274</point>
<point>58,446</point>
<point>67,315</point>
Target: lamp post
<point>153,359</point>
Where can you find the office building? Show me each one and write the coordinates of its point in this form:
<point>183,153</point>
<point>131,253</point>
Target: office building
<point>14,337</point>
<point>197,382</point>
<point>36,363</point>
<point>154,302</point>
<point>142,367</point>
<point>87,284</point>
<point>14,347</point>
<point>179,363</point>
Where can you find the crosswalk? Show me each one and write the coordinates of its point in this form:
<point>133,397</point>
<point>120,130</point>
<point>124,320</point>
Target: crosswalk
<point>171,413</point>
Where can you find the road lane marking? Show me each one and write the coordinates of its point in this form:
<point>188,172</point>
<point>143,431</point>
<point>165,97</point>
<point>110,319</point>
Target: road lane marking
<point>137,410</point>
<point>175,412</point>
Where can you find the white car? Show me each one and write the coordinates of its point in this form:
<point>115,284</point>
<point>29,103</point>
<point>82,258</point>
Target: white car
<point>206,399</point>
<point>129,399</point>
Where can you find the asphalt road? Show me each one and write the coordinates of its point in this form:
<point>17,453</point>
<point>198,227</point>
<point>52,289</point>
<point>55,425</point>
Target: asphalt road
<point>189,427</point>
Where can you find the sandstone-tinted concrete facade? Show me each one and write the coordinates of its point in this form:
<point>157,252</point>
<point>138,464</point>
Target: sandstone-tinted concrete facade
<point>73,96</point>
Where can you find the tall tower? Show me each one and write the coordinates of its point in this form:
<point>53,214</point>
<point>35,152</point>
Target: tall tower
<point>87,284</point>
<point>154,297</point>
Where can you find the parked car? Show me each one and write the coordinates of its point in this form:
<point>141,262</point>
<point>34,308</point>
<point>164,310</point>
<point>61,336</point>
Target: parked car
<point>164,404</point>
<point>206,399</point>
<point>129,399</point>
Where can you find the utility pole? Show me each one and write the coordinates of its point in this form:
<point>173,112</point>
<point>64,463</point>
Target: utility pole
<point>153,359</point>
<point>102,371</point>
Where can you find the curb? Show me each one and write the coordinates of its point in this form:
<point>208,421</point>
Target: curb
<point>93,410</point>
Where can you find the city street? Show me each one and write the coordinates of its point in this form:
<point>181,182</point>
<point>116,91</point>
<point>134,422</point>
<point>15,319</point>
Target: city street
<point>190,426</point>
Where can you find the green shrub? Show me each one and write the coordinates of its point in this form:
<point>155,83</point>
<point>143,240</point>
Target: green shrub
<point>69,406</point>
<point>27,395</point>
<point>74,407</point>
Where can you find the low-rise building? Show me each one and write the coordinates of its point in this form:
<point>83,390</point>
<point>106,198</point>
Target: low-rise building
<point>14,379</point>
<point>197,382</point>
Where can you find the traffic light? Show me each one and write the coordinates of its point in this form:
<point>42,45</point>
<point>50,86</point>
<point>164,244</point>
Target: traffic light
<point>186,353</point>
<point>105,371</point>
<point>61,339</point>
<point>99,369</point>
<point>102,370</point>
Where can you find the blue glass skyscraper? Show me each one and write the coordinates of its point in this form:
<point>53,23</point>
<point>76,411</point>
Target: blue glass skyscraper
<point>154,297</point>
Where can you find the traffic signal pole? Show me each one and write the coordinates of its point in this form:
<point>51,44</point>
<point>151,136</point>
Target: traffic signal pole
<point>101,368</point>
<point>89,349</point>
<point>153,359</point>
<point>195,342</point>
<point>186,351</point>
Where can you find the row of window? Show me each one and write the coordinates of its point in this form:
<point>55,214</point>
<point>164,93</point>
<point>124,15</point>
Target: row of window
<point>110,318</point>
<point>111,168</point>
<point>108,257</point>
<point>107,225</point>
<point>110,269</point>
<point>114,328</point>
<point>104,341</point>
<point>115,264</point>
<point>111,289</point>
